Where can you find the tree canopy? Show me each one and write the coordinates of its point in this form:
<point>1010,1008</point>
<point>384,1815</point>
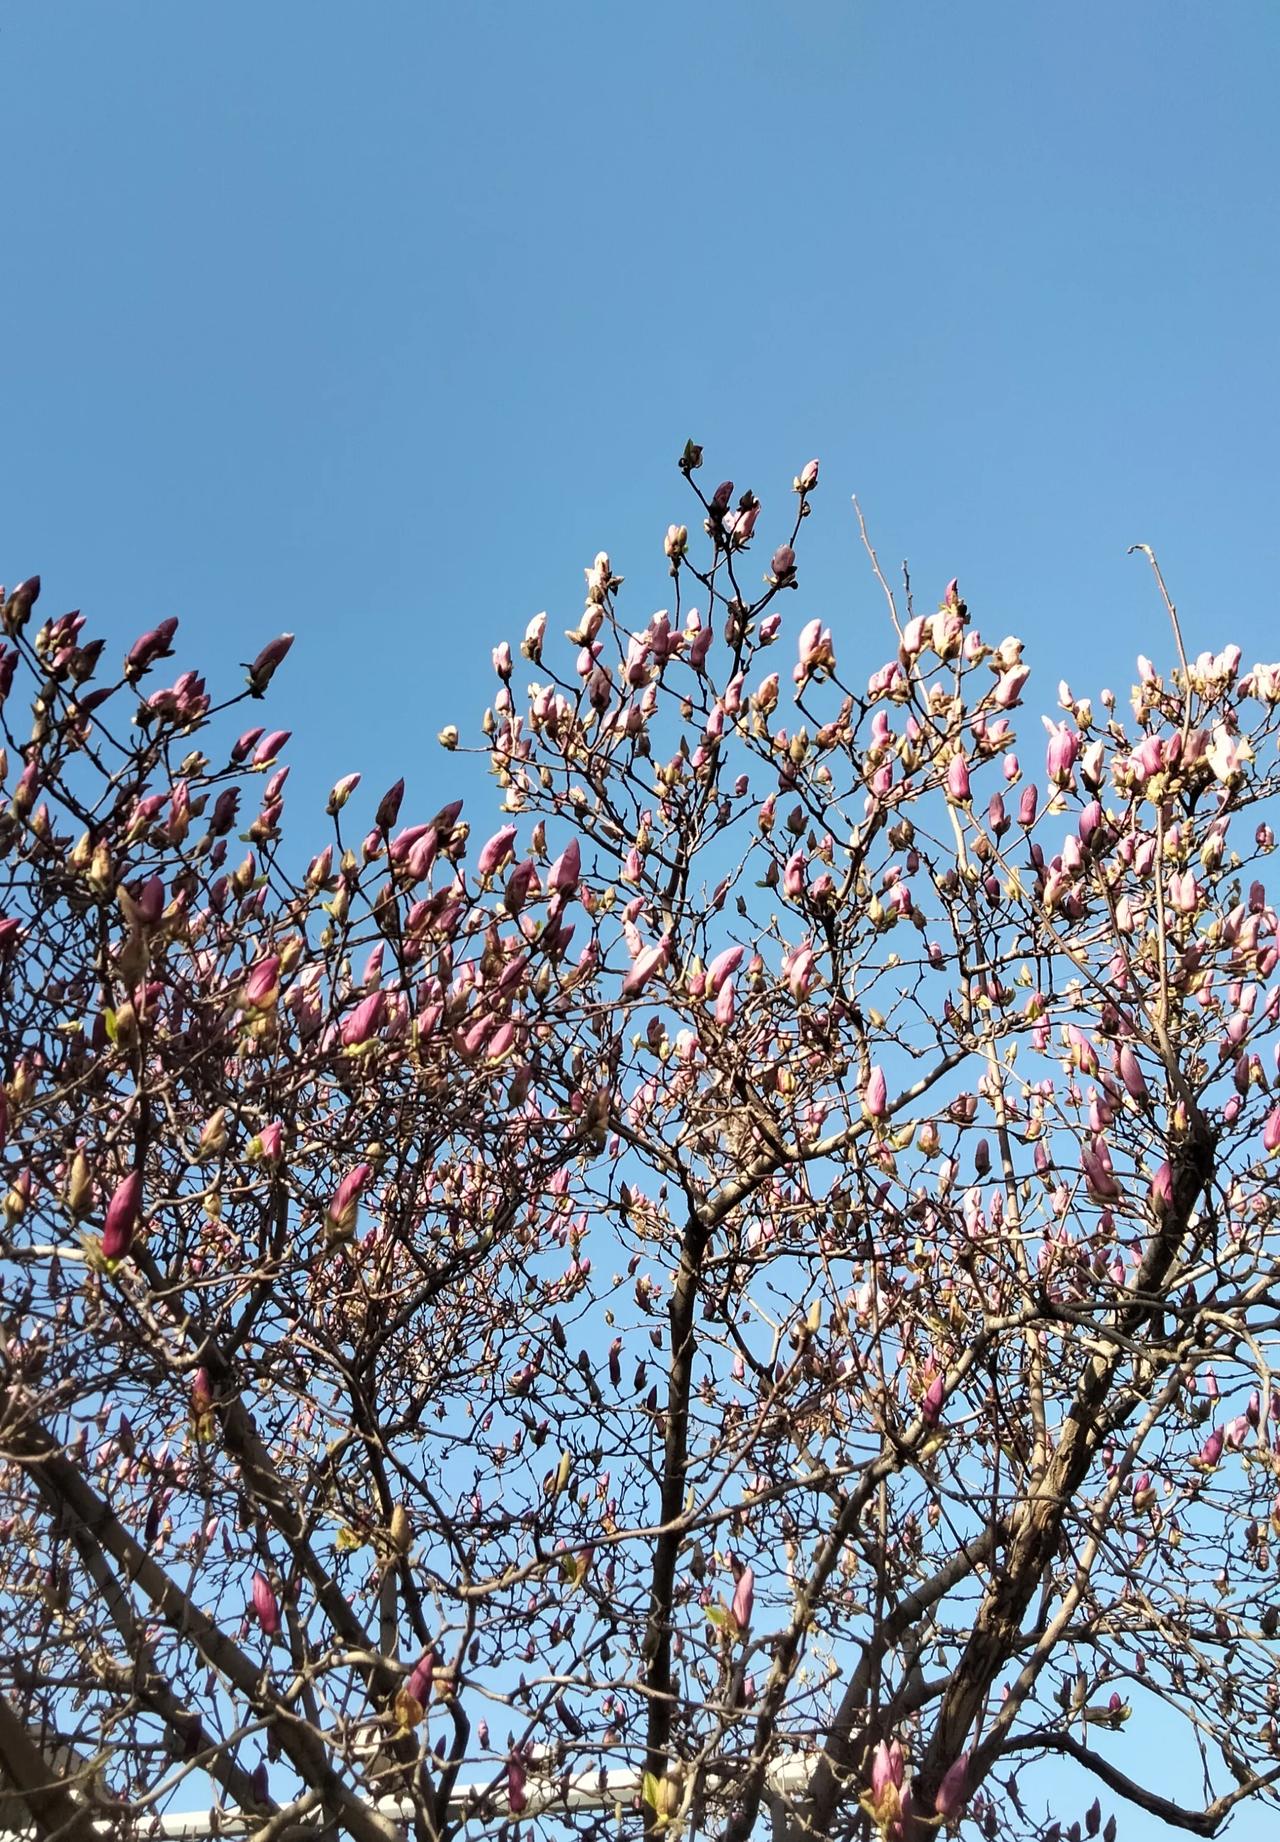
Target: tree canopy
<point>754,1268</point>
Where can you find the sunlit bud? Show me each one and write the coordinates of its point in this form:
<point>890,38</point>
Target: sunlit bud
<point>79,1188</point>
<point>342,791</point>
<point>807,478</point>
<point>123,1213</point>
<point>676,543</point>
<point>1009,686</point>
<point>875,1100</point>
<point>213,1137</point>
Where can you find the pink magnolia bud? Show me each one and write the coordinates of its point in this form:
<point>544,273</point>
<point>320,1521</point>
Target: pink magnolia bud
<point>932,1402</point>
<point>744,1594</point>
<point>1027,806</point>
<point>502,661</point>
<point>270,1143</point>
<point>1060,756</point>
<point>1009,686</point>
<point>953,1791</point>
<point>269,747</point>
<point>722,967</point>
<point>726,1004</point>
<point>496,852</point>
<point>264,1604</point>
<point>262,986</point>
<point>123,1212</point>
<point>419,1683</point>
<point>649,961</point>
<point>264,666</point>
<point>365,1020</point>
<point>807,478</point>
<point>345,1205</point>
<point>1211,1450</point>
<point>1271,1132</point>
<point>958,780</point>
<point>875,1101</point>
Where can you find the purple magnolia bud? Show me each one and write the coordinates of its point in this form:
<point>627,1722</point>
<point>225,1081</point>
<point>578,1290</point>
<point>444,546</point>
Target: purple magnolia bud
<point>782,568</point>
<point>151,646</point>
<point>1027,806</point>
<point>744,1598</point>
<point>123,1212</point>
<point>721,496</point>
<point>265,1607</point>
<point>562,878</point>
<point>389,807</point>
<point>264,666</point>
<point>260,1782</point>
<point>932,1402</point>
<point>516,1799</point>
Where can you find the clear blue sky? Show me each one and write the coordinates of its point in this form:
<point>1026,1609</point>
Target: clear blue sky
<point>376,321</point>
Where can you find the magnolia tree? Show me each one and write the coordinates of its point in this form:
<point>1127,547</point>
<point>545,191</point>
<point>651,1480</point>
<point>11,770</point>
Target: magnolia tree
<point>738,1297</point>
